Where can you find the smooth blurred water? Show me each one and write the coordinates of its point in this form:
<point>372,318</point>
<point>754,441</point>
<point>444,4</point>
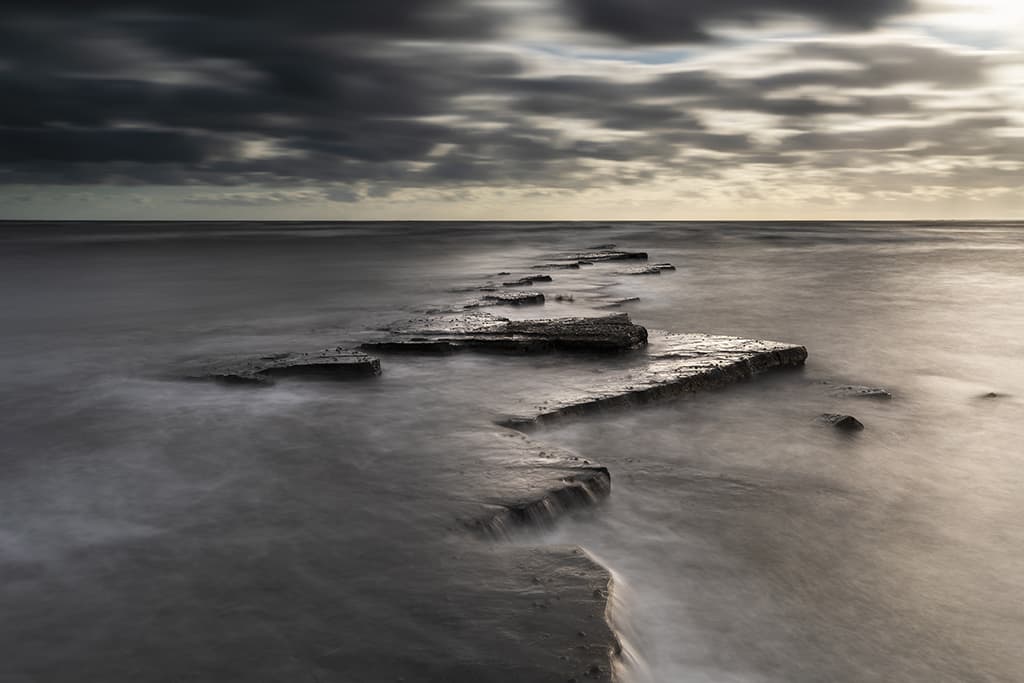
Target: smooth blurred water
<point>312,519</point>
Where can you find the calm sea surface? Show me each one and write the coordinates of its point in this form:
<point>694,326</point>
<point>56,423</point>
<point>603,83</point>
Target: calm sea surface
<point>153,529</point>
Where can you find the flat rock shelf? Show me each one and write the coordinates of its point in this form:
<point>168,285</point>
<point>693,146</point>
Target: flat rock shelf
<point>483,332</point>
<point>672,364</point>
<point>336,363</point>
<point>529,485</point>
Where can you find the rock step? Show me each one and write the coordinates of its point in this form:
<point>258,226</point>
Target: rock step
<point>481,332</point>
<point>527,281</point>
<point>606,255</point>
<point>675,364</point>
<point>337,363</point>
<point>858,391</point>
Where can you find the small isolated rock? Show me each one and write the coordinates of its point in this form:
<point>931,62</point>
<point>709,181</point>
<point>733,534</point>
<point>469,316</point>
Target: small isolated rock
<point>651,270</point>
<point>663,266</point>
<point>858,391</point>
<point>847,423</point>
<point>513,298</point>
<point>336,363</point>
<point>527,281</point>
<point>991,395</point>
<point>609,255</point>
<point>562,266</point>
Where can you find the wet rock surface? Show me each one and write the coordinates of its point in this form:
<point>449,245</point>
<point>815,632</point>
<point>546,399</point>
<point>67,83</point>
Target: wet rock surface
<point>534,485</point>
<point>511,299</point>
<point>561,266</point>
<point>337,363</point>
<point>860,391</point>
<point>846,423</point>
<point>607,255</point>
<point>649,270</point>
<point>673,364</point>
<point>528,280</point>
<point>482,332</point>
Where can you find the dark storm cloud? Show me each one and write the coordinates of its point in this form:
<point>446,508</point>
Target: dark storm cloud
<point>405,93</point>
<point>664,21</point>
<point>405,18</point>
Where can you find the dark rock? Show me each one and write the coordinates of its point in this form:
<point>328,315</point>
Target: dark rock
<point>512,299</point>
<point>562,266</point>
<point>528,280</point>
<point>482,332</point>
<point>674,364</point>
<point>847,423</point>
<point>334,363</point>
<point>651,270</point>
<point>991,395</point>
<point>858,391</point>
<point>608,255</point>
<point>533,485</point>
<point>663,266</point>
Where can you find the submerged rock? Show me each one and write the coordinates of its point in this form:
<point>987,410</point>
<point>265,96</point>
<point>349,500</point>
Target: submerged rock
<point>482,332</point>
<point>858,391</point>
<point>334,363</point>
<point>528,280</point>
<point>673,364</point>
<point>618,303</point>
<point>847,423</point>
<point>663,266</point>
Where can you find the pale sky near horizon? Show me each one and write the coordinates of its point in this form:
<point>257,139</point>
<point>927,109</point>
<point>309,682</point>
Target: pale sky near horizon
<point>512,109</point>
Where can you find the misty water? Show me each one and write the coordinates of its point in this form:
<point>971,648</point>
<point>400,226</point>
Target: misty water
<point>156,529</point>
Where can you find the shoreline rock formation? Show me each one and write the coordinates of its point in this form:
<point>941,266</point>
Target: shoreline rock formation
<point>530,485</point>
<point>483,332</point>
<point>336,363</point>
<point>674,364</point>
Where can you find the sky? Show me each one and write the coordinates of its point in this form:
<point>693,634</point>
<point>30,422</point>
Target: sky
<point>512,109</point>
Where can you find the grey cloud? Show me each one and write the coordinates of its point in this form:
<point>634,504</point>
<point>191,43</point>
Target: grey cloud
<point>347,102</point>
<point>668,21</point>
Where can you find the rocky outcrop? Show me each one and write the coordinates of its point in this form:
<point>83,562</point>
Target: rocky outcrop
<point>846,423</point>
<point>858,391</point>
<point>483,332</point>
<point>648,270</point>
<point>561,266</point>
<point>673,364</point>
<point>533,486</point>
<point>528,281</point>
<point>607,255</point>
<point>337,363</point>
<point>509,298</point>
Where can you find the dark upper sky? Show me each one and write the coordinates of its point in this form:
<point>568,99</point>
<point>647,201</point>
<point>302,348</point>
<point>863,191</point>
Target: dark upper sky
<point>511,108</point>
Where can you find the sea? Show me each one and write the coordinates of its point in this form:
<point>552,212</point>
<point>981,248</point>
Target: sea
<point>155,529</point>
